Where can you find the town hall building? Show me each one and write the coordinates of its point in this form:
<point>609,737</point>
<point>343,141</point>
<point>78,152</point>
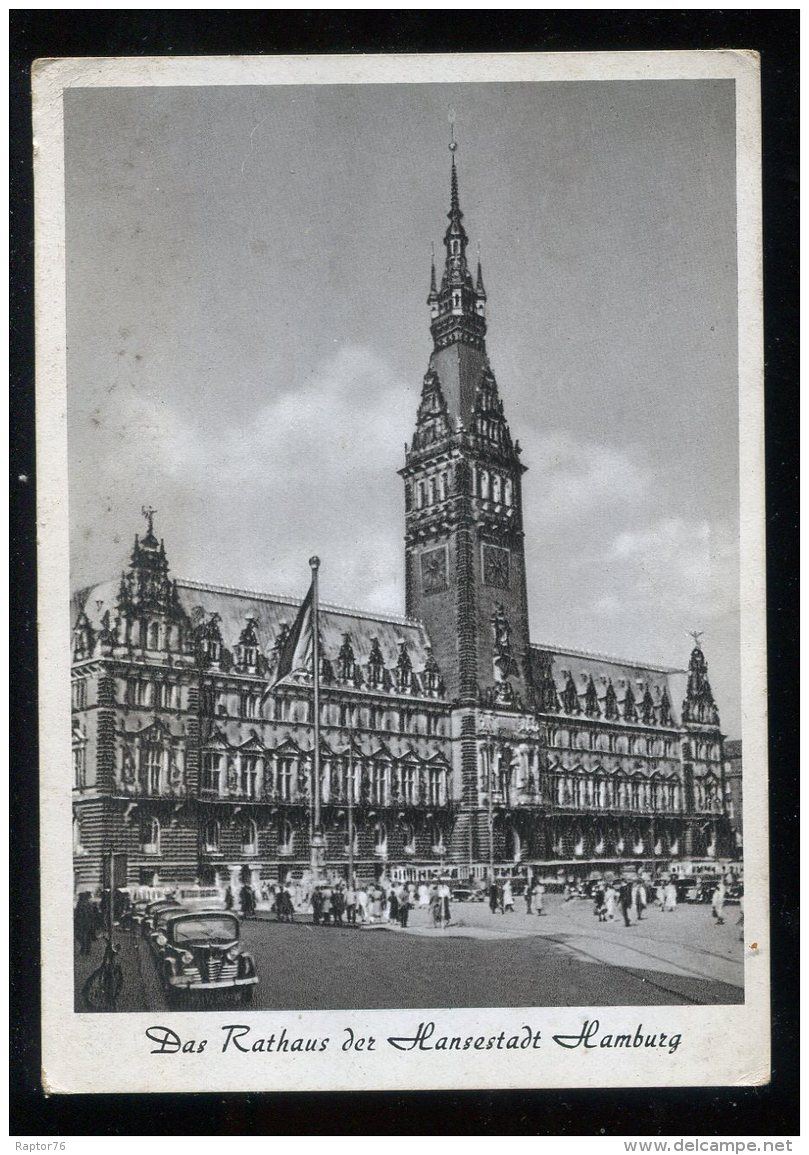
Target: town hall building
<point>450,742</point>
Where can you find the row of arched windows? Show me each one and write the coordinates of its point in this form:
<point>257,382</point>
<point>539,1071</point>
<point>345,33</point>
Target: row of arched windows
<point>287,777</point>
<point>491,486</point>
<point>433,489</point>
<point>592,739</point>
<point>618,793</point>
<point>289,839</point>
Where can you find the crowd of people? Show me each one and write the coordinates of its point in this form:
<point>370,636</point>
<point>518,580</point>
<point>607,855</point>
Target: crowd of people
<point>338,903</point>
<point>334,902</point>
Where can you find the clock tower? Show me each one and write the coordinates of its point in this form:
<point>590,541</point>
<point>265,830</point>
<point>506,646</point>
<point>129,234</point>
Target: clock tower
<point>465,563</point>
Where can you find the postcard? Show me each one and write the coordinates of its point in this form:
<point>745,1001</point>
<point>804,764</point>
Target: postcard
<point>401,572</point>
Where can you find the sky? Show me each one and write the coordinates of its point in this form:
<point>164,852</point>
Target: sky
<point>247,269</point>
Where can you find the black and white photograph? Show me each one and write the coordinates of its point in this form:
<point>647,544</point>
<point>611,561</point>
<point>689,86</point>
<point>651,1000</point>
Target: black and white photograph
<point>415,562</point>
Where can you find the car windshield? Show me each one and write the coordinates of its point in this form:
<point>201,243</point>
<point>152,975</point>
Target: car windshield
<point>221,929</point>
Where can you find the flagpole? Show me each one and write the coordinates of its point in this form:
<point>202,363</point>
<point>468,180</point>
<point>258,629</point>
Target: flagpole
<point>317,842</point>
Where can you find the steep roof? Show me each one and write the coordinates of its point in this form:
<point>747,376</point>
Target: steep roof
<point>622,673</point>
<point>270,612</point>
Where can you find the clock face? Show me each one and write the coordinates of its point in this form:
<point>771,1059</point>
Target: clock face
<point>495,567</point>
<point>434,570</point>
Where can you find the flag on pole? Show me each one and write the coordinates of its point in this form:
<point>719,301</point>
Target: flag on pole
<point>296,652</point>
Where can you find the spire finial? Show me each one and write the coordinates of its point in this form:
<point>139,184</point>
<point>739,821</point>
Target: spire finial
<point>149,513</point>
<point>696,635</point>
<point>453,144</point>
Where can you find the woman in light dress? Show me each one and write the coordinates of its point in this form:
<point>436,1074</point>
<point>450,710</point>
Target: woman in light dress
<point>424,894</point>
<point>610,899</point>
<point>671,897</point>
<point>718,904</point>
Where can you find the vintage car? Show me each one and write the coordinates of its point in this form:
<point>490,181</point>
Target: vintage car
<point>200,952</point>
<point>159,920</point>
<point>133,915</point>
<point>150,913</point>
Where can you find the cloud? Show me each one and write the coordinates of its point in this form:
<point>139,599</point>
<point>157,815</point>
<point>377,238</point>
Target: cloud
<point>689,565</point>
<point>571,477</point>
<point>247,502</point>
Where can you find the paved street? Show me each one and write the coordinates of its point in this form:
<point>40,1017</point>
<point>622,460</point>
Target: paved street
<point>565,958</point>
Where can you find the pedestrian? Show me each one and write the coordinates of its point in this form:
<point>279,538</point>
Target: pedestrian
<point>671,896</point>
<point>508,897</point>
<point>424,894</point>
<point>639,895</point>
<point>84,922</point>
<point>362,904</point>
<point>626,900</point>
<point>351,905</point>
<point>660,895</point>
<point>567,893</point>
<point>493,897</point>
<point>404,908</point>
<point>443,896</point>
<point>599,906</point>
<point>229,898</point>
<point>393,905</point>
<point>539,899</point>
<point>338,905</point>
<point>718,904</point>
<point>326,907</point>
<point>529,895</point>
<point>610,900</point>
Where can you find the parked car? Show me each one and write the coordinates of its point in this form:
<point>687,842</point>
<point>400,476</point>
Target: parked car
<point>199,952</point>
<point>151,911</point>
<point>159,920</point>
<point>133,915</point>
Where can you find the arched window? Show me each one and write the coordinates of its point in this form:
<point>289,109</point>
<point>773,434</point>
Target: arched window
<point>378,783</point>
<point>150,837</point>
<point>210,836</point>
<point>410,785</point>
<point>78,848</point>
<point>154,636</point>
<point>495,487</point>
<point>507,491</point>
<point>380,839</point>
<point>422,491</point>
<point>153,761</point>
<point>354,839</point>
<point>249,837</point>
<point>435,787</point>
<point>409,836</point>
<point>433,490</point>
<point>284,779</point>
<point>286,838</point>
<point>211,771</point>
<point>513,844</point>
<point>79,764</point>
<point>437,839</point>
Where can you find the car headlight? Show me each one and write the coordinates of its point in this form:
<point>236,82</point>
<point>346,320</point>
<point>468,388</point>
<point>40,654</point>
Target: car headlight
<point>233,953</point>
<point>161,940</point>
<point>186,958</point>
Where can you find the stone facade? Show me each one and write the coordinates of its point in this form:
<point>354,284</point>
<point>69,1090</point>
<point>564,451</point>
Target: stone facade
<point>448,740</point>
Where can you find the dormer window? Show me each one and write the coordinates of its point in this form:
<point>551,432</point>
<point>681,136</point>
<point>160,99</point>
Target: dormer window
<point>456,299</point>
